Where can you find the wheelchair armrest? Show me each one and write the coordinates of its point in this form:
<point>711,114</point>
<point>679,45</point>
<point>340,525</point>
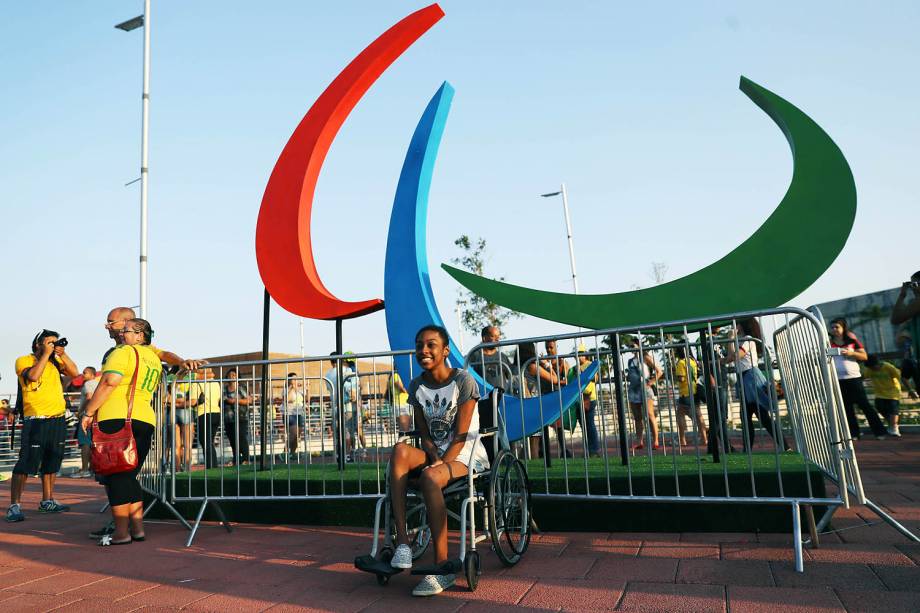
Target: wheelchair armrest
<point>488,431</point>
<point>414,433</point>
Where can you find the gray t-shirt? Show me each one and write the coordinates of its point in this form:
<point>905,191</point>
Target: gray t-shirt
<point>440,404</point>
<point>89,387</point>
<point>496,369</point>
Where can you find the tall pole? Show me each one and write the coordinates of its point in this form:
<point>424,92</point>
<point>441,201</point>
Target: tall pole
<point>145,125</point>
<point>266,389</point>
<point>339,407</point>
<point>568,234</point>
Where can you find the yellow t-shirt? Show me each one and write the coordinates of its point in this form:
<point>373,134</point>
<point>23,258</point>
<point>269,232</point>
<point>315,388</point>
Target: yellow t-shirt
<point>886,381</point>
<point>680,372</point>
<point>590,389</point>
<point>123,362</point>
<point>181,390</point>
<point>402,398</point>
<point>212,394</point>
<point>42,398</point>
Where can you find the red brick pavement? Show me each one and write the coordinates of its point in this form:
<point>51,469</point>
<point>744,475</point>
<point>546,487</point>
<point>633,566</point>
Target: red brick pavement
<point>47,563</point>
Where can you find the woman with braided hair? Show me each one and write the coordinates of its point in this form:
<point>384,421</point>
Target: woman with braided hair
<point>130,376</point>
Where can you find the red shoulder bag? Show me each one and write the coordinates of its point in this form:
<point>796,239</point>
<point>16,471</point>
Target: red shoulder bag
<point>116,452</point>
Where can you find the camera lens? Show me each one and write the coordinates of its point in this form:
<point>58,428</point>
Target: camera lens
<point>61,342</point>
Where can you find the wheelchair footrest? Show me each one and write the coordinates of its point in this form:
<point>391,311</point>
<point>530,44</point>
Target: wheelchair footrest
<point>446,568</point>
<point>370,564</point>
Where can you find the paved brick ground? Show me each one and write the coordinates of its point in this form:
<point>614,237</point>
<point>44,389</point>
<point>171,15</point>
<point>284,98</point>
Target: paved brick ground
<point>47,563</point>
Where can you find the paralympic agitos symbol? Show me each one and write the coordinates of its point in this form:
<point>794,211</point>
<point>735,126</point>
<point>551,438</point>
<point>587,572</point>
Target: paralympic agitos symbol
<point>783,257</point>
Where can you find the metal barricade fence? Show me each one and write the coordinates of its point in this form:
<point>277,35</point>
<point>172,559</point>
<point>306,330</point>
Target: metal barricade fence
<point>802,359</point>
<point>645,454</point>
<point>313,429</point>
<point>292,440</point>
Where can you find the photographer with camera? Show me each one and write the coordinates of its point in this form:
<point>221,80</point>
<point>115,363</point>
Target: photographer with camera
<point>43,429</point>
<point>908,313</point>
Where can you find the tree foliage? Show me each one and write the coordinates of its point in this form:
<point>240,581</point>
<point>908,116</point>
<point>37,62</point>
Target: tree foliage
<point>475,311</point>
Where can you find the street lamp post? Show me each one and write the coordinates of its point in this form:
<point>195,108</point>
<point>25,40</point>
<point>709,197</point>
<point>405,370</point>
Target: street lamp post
<point>568,231</point>
<point>127,26</point>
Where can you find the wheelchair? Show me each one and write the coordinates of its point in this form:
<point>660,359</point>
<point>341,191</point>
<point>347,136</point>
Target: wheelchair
<point>501,492</point>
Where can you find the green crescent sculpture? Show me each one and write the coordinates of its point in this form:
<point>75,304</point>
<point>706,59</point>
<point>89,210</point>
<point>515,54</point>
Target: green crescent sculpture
<point>788,253</point>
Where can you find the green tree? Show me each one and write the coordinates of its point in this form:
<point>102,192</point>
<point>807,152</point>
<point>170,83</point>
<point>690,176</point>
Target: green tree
<point>475,311</point>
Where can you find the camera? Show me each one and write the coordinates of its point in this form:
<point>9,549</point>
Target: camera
<point>61,342</point>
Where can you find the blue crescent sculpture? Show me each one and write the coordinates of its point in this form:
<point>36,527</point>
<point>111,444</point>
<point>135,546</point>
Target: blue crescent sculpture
<point>407,293</point>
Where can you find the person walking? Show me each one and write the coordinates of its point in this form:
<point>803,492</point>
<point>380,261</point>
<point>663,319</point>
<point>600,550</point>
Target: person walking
<point>850,352</point>
<point>886,385</point>
<point>130,376</point>
<point>686,372</point>
<point>753,387</point>
<point>41,443</point>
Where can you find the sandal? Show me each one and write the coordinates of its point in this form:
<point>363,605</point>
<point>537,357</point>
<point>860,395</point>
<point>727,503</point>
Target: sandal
<point>107,541</point>
<point>142,537</point>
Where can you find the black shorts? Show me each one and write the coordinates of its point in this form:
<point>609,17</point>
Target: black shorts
<point>41,446</point>
<point>887,407</point>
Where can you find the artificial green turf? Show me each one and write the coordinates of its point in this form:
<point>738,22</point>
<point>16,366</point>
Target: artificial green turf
<point>738,476</point>
<point>742,475</point>
<point>640,466</point>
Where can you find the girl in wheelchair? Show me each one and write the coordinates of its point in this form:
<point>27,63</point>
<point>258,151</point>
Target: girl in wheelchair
<point>447,422</point>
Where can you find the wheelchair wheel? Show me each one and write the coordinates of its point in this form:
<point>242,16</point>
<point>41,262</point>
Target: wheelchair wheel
<point>472,569</point>
<point>509,508</point>
<point>416,526</point>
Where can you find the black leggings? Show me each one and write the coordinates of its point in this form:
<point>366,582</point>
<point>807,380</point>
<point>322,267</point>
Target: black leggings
<point>854,393</point>
<point>208,426</point>
<point>766,420</point>
<point>230,425</point>
<point>123,488</point>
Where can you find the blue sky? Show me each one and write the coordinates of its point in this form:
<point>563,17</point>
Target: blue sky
<point>636,107</point>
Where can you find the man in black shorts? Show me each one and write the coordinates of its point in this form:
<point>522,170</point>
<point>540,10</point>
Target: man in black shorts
<point>44,428</point>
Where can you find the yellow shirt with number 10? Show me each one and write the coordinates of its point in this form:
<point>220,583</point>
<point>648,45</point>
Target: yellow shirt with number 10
<point>123,362</point>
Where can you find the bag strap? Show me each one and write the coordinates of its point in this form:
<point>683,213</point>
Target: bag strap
<point>137,367</point>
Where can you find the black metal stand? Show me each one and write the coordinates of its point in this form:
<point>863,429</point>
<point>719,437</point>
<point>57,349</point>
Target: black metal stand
<point>618,392</point>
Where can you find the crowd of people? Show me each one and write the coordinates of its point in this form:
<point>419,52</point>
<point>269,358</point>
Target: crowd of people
<point>119,398</point>
<point>735,362</point>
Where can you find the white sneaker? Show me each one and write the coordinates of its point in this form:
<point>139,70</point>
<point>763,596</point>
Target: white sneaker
<point>894,431</point>
<point>434,584</point>
<point>402,557</point>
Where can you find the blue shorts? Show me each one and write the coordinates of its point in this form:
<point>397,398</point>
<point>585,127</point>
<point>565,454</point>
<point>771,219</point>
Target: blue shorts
<point>184,417</point>
<point>297,419</point>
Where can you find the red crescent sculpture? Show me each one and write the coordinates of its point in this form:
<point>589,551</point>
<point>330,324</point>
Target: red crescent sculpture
<point>284,250</point>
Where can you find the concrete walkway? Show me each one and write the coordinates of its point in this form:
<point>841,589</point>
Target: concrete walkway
<point>47,563</point>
